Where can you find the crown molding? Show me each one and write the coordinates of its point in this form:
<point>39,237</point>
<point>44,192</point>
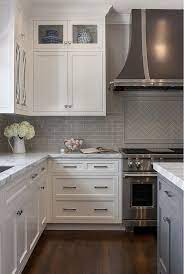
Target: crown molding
<point>118,18</point>
<point>64,8</point>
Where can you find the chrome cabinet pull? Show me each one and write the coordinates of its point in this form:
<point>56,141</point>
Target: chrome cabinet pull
<point>43,168</point>
<point>101,187</point>
<point>69,187</point>
<point>70,106</point>
<point>100,166</point>
<point>69,42</point>
<point>70,166</point>
<point>65,106</point>
<point>42,187</point>
<point>69,209</point>
<point>65,42</point>
<point>169,193</point>
<point>34,175</point>
<point>100,209</point>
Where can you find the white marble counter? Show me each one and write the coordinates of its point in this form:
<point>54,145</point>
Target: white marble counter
<point>174,172</point>
<point>21,164</point>
<point>114,155</point>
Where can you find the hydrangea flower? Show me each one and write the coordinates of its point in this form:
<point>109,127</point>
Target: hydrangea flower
<point>22,130</point>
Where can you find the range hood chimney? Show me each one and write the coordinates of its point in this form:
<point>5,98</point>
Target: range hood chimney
<point>155,58</point>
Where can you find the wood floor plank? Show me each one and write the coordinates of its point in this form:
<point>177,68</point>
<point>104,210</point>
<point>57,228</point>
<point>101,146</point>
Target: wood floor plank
<point>90,252</point>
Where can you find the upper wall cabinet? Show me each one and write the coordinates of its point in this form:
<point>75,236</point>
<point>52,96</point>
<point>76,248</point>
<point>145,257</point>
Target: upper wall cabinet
<point>13,56</point>
<point>84,34</point>
<point>50,34</point>
<point>69,68</point>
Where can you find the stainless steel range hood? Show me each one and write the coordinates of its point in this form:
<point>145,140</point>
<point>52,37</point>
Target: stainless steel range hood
<point>155,58</point>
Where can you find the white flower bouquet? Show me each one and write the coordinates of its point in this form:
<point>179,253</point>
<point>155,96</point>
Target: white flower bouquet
<point>19,132</point>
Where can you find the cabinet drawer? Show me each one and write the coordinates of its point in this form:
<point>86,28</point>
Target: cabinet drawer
<point>82,185</point>
<point>168,193</point>
<point>66,166</point>
<point>84,210</point>
<point>102,166</point>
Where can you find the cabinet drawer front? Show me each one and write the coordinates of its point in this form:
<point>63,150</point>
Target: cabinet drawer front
<point>66,166</point>
<point>168,193</point>
<point>85,186</point>
<point>103,167</point>
<point>83,209</point>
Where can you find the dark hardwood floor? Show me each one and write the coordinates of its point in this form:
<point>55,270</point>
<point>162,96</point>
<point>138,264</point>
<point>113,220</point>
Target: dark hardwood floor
<point>84,252</point>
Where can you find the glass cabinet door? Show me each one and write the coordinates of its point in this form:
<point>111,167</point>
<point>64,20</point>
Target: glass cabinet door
<point>85,35</point>
<point>50,34</point>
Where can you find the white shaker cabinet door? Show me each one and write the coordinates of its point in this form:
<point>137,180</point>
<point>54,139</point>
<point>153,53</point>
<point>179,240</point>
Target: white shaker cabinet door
<point>9,258</point>
<point>86,83</point>
<point>32,220</point>
<point>50,82</point>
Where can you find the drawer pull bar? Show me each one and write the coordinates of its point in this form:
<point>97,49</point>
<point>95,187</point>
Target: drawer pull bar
<point>69,187</point>
<point>169,194</point>
<point>69,209</point>
<point>100,166</point>
<point>101,187</point>
<point>100,209</point>
<point>34,175</point>
<point>70,166</point>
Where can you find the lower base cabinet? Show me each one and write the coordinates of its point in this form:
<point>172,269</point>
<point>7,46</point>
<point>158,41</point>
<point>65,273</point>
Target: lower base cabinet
<point>170,232</point>
<point>23,223</point>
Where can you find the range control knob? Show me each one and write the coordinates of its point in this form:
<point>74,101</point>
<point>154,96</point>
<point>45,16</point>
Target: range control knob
<point>130,163</point>
<point>137,163</point>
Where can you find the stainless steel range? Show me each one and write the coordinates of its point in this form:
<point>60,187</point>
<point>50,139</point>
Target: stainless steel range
<point>140,184</point>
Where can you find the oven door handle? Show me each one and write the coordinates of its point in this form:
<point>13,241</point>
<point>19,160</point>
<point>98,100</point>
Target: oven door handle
<point>148,174</point>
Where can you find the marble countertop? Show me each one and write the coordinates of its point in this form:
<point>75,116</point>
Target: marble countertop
<point>174,172</point>
<point>22,163</point>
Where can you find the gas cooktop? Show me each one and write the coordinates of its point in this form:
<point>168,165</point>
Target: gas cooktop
<point>152,151</point>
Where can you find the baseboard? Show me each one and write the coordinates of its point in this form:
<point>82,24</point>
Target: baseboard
<point>118,227</point>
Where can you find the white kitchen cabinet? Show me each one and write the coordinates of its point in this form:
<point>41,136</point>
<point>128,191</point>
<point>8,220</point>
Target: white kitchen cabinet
<point>69,83</point>
<point>9,260</point>
<point>85,191</point>
<point>50,82</point>
<point>68,34</point>
<point>22,212</point>
<point>50,34</point>
<point>13,56</point>
<point>85,34</point>
<point>42,202</point>
<point>21,234</point>
<point>69,77</point>
<point>85,82</point>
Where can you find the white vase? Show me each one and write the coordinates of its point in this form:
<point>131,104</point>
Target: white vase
<point>18,146</point>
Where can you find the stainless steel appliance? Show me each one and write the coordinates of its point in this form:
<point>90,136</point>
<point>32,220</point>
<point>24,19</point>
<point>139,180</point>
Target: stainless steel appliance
<point>140,184</point>
<point>150,63</point>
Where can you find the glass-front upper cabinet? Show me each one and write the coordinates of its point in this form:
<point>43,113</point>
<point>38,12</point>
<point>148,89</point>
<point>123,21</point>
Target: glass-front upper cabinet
<point>50,34</point>
<point>85,34</point>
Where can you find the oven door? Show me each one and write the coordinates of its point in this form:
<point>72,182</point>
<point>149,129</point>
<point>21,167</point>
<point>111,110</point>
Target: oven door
<point>140,196</point>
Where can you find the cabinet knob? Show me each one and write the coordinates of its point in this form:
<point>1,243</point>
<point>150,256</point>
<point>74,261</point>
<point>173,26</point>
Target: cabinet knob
<point>42,187</point>
<point>65,42</point>
<point>69,42</point>
<point>166,219</point>
<point>70,106</point>
<point>65,106</point>
<point>19,212</point>
<point>34,176</point>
